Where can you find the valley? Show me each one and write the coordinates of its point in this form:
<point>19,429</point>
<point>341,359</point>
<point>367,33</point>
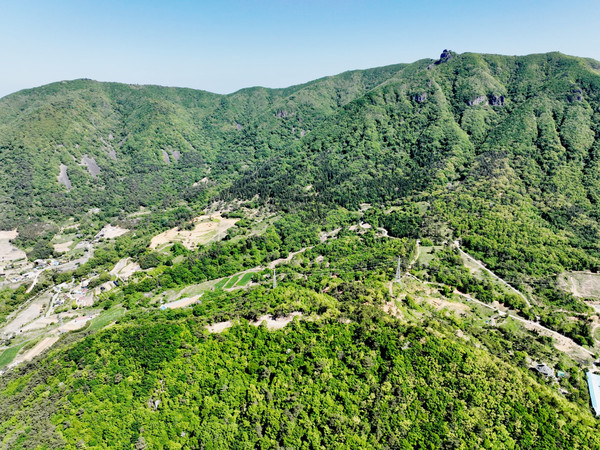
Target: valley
<point>398,257</point>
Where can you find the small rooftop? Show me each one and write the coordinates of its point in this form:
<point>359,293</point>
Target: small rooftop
<point>593,380</point>
<point>544,370</point>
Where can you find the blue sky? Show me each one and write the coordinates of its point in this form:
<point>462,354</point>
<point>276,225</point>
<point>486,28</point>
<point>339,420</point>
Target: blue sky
<point>227,45</point>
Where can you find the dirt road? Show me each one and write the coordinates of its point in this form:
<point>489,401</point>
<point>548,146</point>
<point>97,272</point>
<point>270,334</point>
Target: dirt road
<point>492,274</point>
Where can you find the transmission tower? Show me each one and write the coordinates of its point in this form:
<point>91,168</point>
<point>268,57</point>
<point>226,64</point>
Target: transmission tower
<point>274,279</point>
<point>398,277</point>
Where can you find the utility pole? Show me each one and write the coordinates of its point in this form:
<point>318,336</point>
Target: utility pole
<point>398,271</point>
<point>274,279</point>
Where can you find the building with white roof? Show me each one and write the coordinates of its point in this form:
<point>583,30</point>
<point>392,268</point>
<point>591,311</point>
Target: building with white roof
<point>593,380</point>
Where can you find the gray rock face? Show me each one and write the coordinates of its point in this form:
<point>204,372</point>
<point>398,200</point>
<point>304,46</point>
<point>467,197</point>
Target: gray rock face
<point>497,100</point>
<point>166,158</point>
<point>446,56</point>
<point>420,98</point>
<point>576,95</point>
<point>176,155</point>
<point>63,178</point>
<point>91,165</point>
<point>478,101</point>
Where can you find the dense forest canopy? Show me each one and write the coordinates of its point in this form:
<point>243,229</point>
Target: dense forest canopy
<point>334,188</point>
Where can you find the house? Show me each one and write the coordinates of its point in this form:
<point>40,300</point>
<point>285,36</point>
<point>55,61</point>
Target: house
<point>548,372</point>
<point>593,380</point>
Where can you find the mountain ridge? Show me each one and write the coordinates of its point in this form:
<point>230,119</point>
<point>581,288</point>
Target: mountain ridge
<point>413,229</point>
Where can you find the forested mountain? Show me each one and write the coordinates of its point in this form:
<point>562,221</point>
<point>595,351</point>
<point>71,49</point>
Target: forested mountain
<point>123,146</point>
<point>331,189</point>
<point>484,134</point>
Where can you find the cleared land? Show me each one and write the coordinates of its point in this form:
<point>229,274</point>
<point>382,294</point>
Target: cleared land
<point>231,282</point>
<point>581,284</point>
<point>219,284</point>
<point>106,317</point>
<point>35,309</point>
<point>244,280</point>
<point>427,254</point>
<point>9,252</point>
<point>271,323</point>
<point>183,302</point>
<point>125,268</point>
<point>64,247</point>
<point>206,229</point>
<point>111,232</point>
<point>44,344</point>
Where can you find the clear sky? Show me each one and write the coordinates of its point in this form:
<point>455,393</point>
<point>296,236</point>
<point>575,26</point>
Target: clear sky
<point>222,46</point>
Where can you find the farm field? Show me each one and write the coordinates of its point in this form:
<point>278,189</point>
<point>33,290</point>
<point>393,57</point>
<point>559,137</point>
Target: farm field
<point>8,355</point>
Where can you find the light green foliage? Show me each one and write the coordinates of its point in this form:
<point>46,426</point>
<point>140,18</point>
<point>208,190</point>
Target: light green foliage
<point>499,153</point>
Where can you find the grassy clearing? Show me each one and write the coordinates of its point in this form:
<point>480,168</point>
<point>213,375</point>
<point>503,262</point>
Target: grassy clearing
<point>427,254</point>
<point>245,279</point>
<point>63,238</point>
<point>9,354</point>
<point>105,318</point>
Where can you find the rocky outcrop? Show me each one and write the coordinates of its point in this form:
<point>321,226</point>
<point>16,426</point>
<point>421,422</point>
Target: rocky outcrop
<point>497,100</point>
<point>420,98</point>
<point>63,178</point>
<point>576,95</point>
<point>91,165</point>
<point>480,99</point>
<point>446,56</point>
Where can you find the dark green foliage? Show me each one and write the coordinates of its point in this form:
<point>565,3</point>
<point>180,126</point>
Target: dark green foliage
<point>149,260</point>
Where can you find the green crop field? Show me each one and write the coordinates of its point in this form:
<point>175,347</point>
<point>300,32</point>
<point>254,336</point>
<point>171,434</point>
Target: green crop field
<point>231,282</point>
<point>245,279</point>
<point>221,283</point>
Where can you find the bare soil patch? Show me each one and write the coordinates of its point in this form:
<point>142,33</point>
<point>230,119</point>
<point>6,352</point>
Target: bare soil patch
<point>581,284</point>
<point>276,323</point>
<point>44,344</point>
<point>64,247</point>
<point>111,232</point>
<point>206,229</point>
<point>125,268</point>
<point>29,313</point>
<point>9,252</point>
<point>182,303</point>
<point>219,327</point>
<point>271,322</point>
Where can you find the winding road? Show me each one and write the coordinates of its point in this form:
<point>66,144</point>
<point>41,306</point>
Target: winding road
<point>493,275</point>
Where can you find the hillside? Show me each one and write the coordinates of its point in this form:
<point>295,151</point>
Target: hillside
<point>400,257</point>
<point>81,144</point>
